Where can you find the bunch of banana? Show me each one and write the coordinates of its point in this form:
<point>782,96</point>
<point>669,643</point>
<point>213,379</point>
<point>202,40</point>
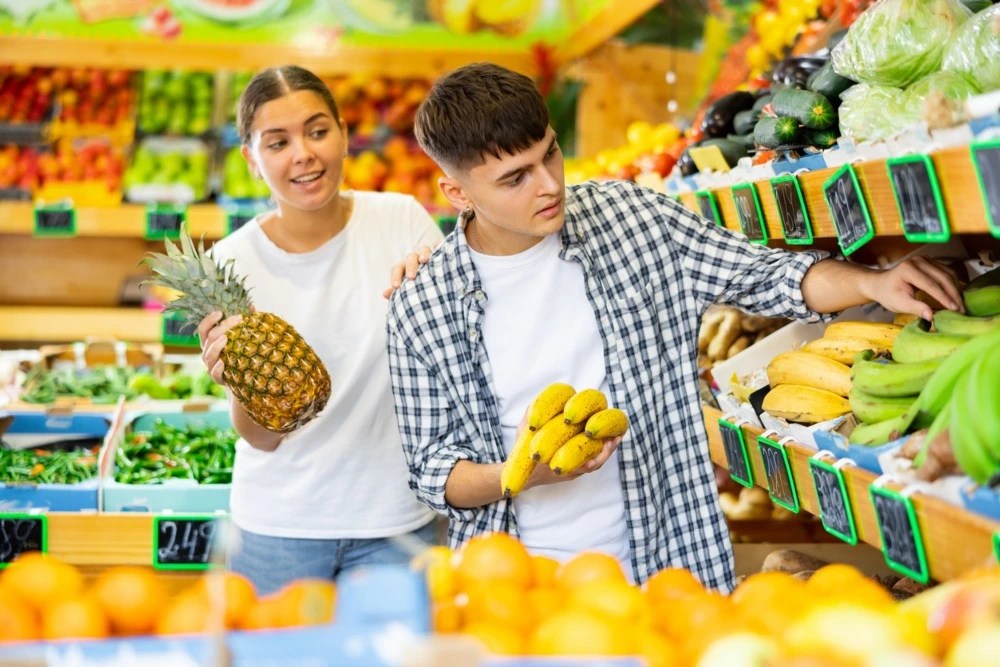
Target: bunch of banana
<point>974,423</point>
<point>842,341</point>
<point>806,405</point>
<point>807,387</point>
<point>565,430</point>
<point>982,295</point>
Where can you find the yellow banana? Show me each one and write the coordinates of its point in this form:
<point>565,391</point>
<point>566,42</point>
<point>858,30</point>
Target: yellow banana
<point>811,370</point>
<point>609,423</point>
<point>807,405</point>
<point>583,405</point>
<point>844,349</point>
<point>551,437</point>
<point>548,404</point>
<point>883,333</point>
<point>518,466</point>
<point>578,450</point>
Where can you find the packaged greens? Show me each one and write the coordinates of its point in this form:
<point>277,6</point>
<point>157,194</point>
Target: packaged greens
<point>975,50</point>
<point>950,85</point>
<point>896,42</point>
<point>869,112</point>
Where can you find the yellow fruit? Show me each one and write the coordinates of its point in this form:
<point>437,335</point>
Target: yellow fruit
<point>498,639</point>
<point>583,404</point>
<point>519,465</point>
<point>494,557</point>
<point>606,424</point>
<point>583,633</point>
<point>806,405</point>
<point>843,349</point>
<point>549,403</point>
<point>577,451</point>
<point>40,580</point>
<point>586,567</point>
<point>442,580</point>
<point>811,370</point>
<point>550,437</point>
<point>614,598</point>
<point>883,333</point>
<point>131,597</point>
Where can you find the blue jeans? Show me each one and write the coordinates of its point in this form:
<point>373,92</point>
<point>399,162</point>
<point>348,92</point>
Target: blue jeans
<point>272,562</point>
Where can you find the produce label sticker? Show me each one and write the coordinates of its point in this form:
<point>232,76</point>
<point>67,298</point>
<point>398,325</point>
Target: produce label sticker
<point>986,160</point>
<point>183,542</point>
<point>709,158</point>
<point>795,224</point>
<point>902,541</point>
<point>834,504</point>
<point>708,206</point>
<point>178,332</point>
<point>164,221</point>
<point>848,210</point>
<point>778,469</point>
<point>55,220</point>
<point>20,533</point>
<point>918,199</point>
<point>750,213</point>
<point>737,459</point>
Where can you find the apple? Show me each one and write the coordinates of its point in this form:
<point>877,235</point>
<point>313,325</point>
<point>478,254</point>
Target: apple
<point>974,605</point>
<point>742,649</point>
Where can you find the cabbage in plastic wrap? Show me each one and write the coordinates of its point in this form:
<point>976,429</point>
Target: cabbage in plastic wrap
<point>871,112</point>
<point>975,49</point>
<point>896,42</point>
<point>951,86</point>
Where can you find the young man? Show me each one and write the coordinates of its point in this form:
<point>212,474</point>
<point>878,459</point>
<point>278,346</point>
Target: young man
<point>600,285</point>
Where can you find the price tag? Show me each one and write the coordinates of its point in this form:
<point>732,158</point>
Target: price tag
<point>237,218</point>
<point>55,220</point>
<point>778,469</point>
<point>737,459</point>
<point>164,221</point>
<point>848,210</point>
<point>708,206</point>
<point>749,211</point>
<point>902,541</point>
<point>177,331</point>
<point>20,533</point>
<point>795,224</point>
<point>918,198</point>
<point>183,542</point>
<point>834,504</point>
<point>986,159</point>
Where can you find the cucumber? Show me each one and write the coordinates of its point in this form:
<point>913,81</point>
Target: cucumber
<point>828,83</point>
<point>771,132</point>
<point>731,151</point>
<point>762,102</point>
<point>820,138</point>
<point>744,121</point>
<point>745,140</point>
<point>810,109</point>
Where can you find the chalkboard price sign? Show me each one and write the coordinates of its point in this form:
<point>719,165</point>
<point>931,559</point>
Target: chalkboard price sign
<point>177,331</point>
<point>749,211</point>
<point>55,220</point>
<point>848,210</point>
<point>737,459</point>
<point>780,482</point>
<point>834,503</point>
<point>183,542</point>
<point>20,533</point>
<point>918,198</point>
<point>996,546</point>
<point>795,224</point>
<point>986,159</point>
<point>164,221</point>
<point>902,541</point>
<point>708,206</point>
<point>236,219</point>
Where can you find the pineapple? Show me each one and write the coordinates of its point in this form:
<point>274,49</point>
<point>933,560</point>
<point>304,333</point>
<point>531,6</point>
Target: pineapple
<point>272,371</point>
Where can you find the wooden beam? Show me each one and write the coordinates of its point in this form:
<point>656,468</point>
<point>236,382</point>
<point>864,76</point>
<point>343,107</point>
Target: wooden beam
<point>615,17</point>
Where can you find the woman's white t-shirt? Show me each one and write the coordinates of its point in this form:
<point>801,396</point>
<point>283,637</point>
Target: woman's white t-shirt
<point>343,475</point>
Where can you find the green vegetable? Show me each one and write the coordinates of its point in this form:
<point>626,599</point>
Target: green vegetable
<point>975,50</point>
<point>808,108</point>
<point>201,453</point>
<point>744,121</point>
<point>49,465</point>
<point>870,113</point>
<point>771,132</point>
<point>828,83</point>
<point>895,42</point>
<point>745,140</point>
<point>952,85</point>
<point>820,138</point>
<point>762,102</point>
<point>102,384</point>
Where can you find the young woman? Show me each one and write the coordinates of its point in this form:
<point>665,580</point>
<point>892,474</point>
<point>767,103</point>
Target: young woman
<point>329,496</point>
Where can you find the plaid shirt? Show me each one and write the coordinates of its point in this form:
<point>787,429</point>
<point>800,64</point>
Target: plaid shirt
<point>651,268</point>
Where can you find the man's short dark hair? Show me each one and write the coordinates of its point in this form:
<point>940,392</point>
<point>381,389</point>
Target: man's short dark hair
<point>478,110</point>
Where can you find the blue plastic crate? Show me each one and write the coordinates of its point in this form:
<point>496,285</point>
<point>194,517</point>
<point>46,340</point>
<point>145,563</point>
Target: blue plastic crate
<point>865,457</point>
<point>982,500</point>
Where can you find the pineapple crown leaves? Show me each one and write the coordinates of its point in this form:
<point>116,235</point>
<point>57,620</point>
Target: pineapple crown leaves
<point>204,285</point>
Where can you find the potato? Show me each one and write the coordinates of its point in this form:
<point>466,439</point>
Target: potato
<point>788,560</point>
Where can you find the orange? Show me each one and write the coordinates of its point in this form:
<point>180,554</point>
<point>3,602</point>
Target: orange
<point>188,613</point>
<point>265,614</point>
<point>672,583</point>
<point>442,579</point>
<point>41,580</point>
<point>770,601</point>
<point>446,617</point>
<point>543,570</point>
<point>589,566</point>
<point>494,557</point>
<point>307,602</point>
<point>846,583</point>
<point>239,594</point>
<point>498,603</point>
<point>580,632</point>
<point>833,578</point>
<point>656,649</point>
<point>615,599</point>
<point>131,598</point>
<point>497,638</point>
<point>17,621</point>
<point>79,618</point>
<point>544,602</point>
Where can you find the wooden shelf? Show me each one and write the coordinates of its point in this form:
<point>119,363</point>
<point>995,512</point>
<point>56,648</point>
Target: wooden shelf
<point>126,220</point>
<point>955,540</point>
<point>53,324</point>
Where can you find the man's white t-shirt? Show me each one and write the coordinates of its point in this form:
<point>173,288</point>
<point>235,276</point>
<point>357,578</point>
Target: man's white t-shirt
<point>343,475</point>
<point>540,328</point>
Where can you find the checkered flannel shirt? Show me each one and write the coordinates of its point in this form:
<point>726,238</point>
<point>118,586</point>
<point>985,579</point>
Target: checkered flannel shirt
<point>652,268</point>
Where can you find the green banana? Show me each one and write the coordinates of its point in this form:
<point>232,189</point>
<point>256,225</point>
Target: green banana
<point>888,379</point>
<point>971,452</point>
<point>879,433</point>
<point>940,387</point>
<point>982,301</point>
<point>985,388</point>
<point>950,322</point>
<point>989,279</point>
<point>872,409</point>
<point>916,343</point>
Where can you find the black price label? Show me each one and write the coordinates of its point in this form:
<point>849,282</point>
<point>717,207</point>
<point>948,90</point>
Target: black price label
<point>902,541</point>
<point>795,224</point>
<point>164,221</point>
<point>55,221</point>
<point>834,503</point>
<point>848,209</point>
<point>986,159</point>
<point>20,533</point>
<point>737,459</point>
<point>183,542</point>
<point>918,198</point>
<point>708,206</point>
<point>778,469</point>
<point>178,331</point>
<point>749,211</point>
<point>236,219</point>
